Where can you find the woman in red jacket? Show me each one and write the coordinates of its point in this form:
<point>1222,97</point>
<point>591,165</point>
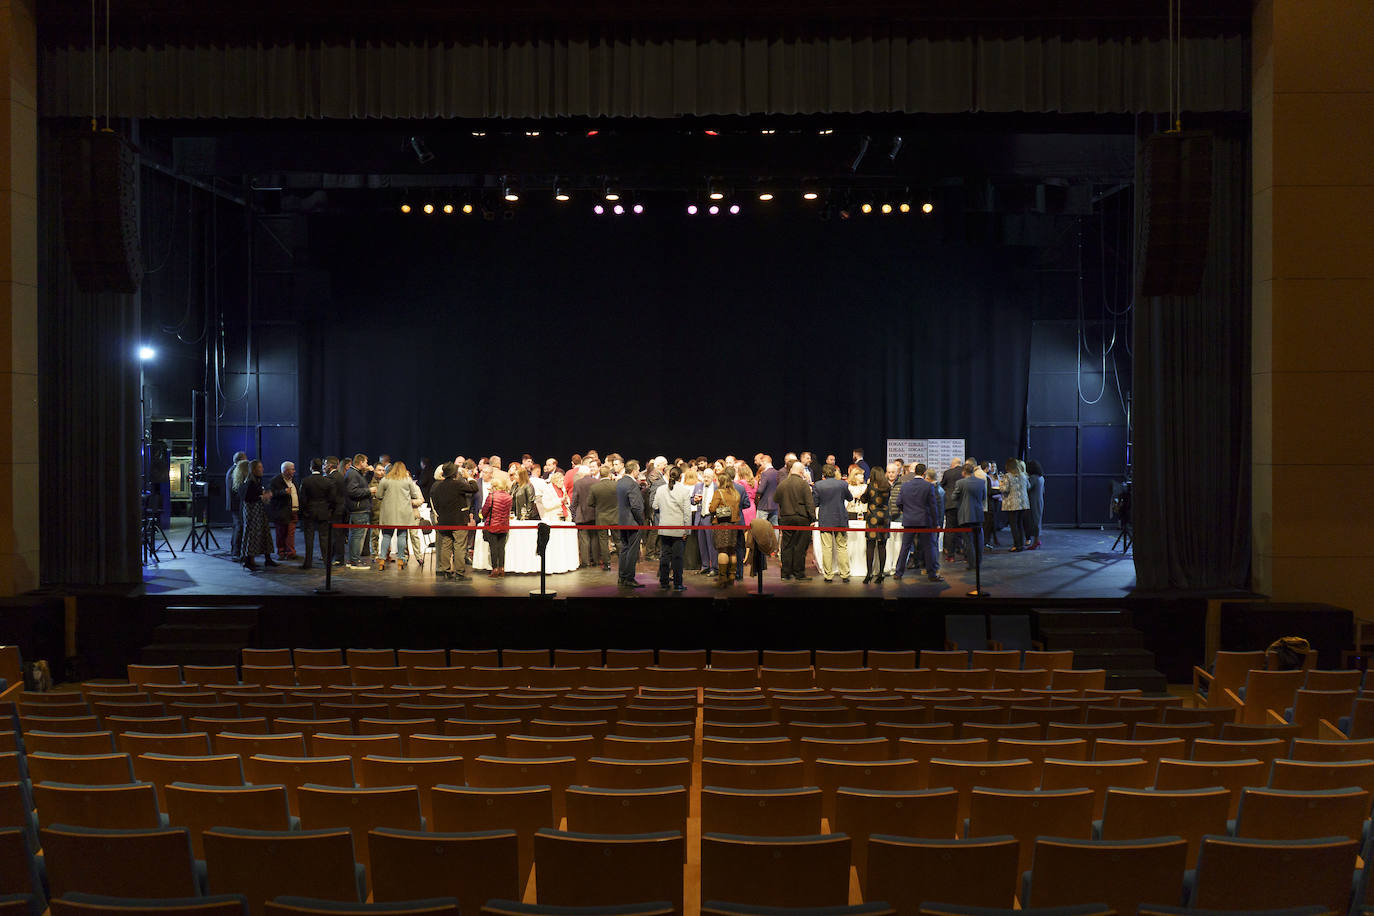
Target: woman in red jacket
<point>497,513</point>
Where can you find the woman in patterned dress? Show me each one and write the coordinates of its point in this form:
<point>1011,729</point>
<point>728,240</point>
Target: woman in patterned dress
<point>877,497</point>
<point>256,538</point>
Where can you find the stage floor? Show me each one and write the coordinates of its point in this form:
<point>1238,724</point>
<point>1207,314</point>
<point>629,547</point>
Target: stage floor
<point>1071,563</point>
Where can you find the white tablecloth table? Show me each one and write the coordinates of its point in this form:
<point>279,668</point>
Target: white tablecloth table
<point>560,556</point>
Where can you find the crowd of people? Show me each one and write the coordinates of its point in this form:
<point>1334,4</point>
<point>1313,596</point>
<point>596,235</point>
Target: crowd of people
<point>712,517</point>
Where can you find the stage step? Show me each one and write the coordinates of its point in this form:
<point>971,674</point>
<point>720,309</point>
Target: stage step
<point>1113,659</point>
<point>188,654</point>
<point>212,634</point>
<point>1092,638</point>
<point>1145,679</point>
<point>239,614</point>
<point>233,635</point>
<point>1078,618</point>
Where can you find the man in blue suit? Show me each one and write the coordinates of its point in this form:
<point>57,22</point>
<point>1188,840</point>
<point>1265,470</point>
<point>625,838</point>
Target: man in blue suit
<point>967,501</point>
<point>629,502</point>
<point>916,501</point>
<point>831,494</point>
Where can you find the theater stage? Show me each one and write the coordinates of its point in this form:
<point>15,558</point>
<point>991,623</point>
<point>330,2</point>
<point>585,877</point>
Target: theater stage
<point>1071,563</point>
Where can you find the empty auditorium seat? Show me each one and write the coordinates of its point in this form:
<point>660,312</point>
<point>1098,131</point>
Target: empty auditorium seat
<point>198,808</point>
<point>119,863</point>
<point>907,871</point>
<point>1121,873</point>
<point>776,871</point>
<point>263,864</point>
<point>471,867</point>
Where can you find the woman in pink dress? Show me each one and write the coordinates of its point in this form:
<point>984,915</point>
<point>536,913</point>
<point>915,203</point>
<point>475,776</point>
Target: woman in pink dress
<point>746,477</point>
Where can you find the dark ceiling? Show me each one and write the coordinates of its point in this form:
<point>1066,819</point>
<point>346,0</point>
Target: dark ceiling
<point>69,21</point>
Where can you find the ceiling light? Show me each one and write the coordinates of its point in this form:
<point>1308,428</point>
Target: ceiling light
<point>734,209</point>
<point>691,209</point>
<point>448,208</point>
<point>561,194</point>
<point>531,133</point>
<point>810,191</point>
<point>765,195</point>
<point>904,207</point>
<point>887,208</point>
<point>467,208</point>
<point>510,190</point>
<point>405,208</point>
<point>618,209</point>
<point>826,131</point>
<point>715,191</point>
<point>712,133</point>
<point>612,192</point>
<point>429,208</point>
<point>866,207</point>
<point>639,208</point>
<point>479,133</point>
<point>593,133</point>
<point>713,210</point>
<point>146,353</point>
<point>598,209</point>
<point>810,195</point>
<point>768,131</point>
<point>927,207</point>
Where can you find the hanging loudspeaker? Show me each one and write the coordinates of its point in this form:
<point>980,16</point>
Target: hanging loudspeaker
<point>100,211</point>
<point>1176,213</point>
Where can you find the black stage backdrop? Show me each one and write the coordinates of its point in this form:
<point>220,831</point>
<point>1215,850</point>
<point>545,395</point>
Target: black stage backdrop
<point>660,334</point>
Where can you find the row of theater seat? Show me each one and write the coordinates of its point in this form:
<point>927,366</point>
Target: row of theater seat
<point>597,869</point>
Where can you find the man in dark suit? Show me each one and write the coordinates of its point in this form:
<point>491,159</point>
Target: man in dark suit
<point>796,506</point>
<point>948,481</point>
<point>629,501</point>
<point>583,514</point>
<point>317,510</point>
<point>765,494</point>
<point>969,494</point>
<point>449,499</point>
<point>337,538</point>
<point>859,460</point>
<point>920,509</point>
<point>831,493</point>
<point>601,503</point>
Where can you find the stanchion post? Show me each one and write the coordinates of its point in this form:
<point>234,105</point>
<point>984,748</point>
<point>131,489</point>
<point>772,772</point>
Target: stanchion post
<point>977,569</point>
<point>328,563</point>
<point>760,593</point>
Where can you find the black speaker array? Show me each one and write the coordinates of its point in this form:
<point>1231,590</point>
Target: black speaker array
<point>100,211</point>
<point>1176,213</point>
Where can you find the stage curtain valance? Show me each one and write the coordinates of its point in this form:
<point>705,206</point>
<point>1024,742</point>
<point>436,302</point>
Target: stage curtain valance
<point>620,73</point>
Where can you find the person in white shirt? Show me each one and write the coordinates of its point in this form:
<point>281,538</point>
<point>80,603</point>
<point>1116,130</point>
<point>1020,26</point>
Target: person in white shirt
<point>674,504</point>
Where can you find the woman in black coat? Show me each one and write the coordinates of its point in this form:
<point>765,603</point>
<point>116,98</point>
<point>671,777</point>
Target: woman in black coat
<point>877,499</point>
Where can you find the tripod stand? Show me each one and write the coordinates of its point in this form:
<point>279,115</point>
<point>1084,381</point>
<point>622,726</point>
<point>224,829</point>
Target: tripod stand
<point>152,529</point>
<point>200,536</point>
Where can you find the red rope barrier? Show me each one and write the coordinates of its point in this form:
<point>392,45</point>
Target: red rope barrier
<point>528,527</point>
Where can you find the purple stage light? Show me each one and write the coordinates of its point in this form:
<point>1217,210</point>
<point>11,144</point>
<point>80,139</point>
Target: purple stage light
<point>734,209</point>
<point>618,210</point>
<point>691,209</point>
<point>714,210</point>
<point>639,208</point>
<point>598,209</point>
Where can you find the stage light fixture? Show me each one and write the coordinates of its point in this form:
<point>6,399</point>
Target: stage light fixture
<point>598,209</point>
<point>561,194</point>
<point>422,152</point>
<point>510,191</point>
<point>734,209</point>
<point>810,195</point>
<point>618,209</point>
<point>765,195</point>
<point>429,208</point>
<point>864,141</point>
<point>895,148</point>
<point>405,208</point>
<point>866,207</point>
<point>612,193</point>
<point>768,131</point>
<point>927,207</point>
<point>887,208</point>
<point>146,353</point>
<point>531,133</point>
<point>691,209</point>
<point>448,208</point>
<point>713,210</point>
<point>479,133</point>
<point>904,207</point>
<point>467,208</point>
<point>638,208</point>
<point>593,133</point>
<point>712,133</point>
<point>826,131</point>
<point>715,191</point>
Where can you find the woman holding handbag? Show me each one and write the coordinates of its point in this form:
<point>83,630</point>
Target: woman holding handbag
<point>400,497</point>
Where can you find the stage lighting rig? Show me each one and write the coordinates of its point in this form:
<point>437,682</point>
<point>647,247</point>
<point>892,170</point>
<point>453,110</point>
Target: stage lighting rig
<point>864,141</point>
<point>510,190</point>
<point>421,150</point>
<point>895,148</point>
